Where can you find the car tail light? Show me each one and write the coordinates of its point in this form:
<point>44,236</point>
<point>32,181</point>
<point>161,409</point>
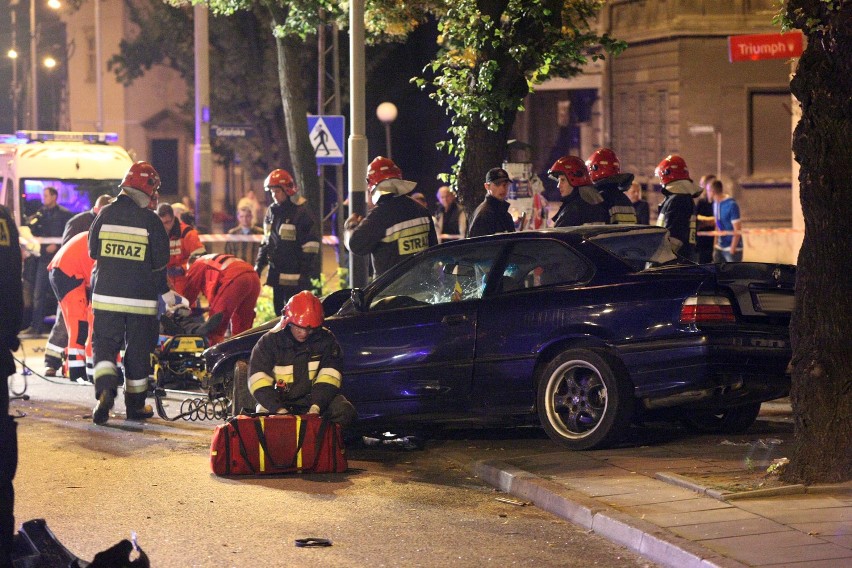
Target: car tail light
<point>707,309</point>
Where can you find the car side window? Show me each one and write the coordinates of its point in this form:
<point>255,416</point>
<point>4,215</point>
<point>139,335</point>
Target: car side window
<point>536,263</point>
<point>454,274</point>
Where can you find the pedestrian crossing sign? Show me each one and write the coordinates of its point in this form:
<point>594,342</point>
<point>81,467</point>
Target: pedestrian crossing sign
<point>326,133</point>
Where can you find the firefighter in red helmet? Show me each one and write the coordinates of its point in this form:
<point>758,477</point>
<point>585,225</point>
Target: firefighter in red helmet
<point>296,366</point>
<point>397,226</point>
<point>291,240</point>
<point>131,248</point>
<point>581,203</point>
<point>605,172</point>
<point>677,211</point>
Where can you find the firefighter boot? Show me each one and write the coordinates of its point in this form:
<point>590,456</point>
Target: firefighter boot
<point>106,399</point>
<point>136,407</point>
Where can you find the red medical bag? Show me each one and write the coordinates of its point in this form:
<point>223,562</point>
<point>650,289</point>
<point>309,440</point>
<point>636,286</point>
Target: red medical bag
<point>257,445</point>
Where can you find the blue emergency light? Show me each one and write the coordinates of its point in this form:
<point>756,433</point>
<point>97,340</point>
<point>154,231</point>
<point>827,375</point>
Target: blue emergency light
<point>64,136</point>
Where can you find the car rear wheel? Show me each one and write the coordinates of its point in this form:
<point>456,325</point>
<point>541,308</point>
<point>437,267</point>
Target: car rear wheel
<point>728,421</point>
<point>584,400</point>
<point>242,400</point>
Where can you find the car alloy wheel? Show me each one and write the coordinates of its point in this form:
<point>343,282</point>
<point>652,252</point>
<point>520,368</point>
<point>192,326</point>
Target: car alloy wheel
<point>584,400</point>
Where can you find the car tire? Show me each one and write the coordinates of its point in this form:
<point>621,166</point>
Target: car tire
<point>728,421</point>
<point>584,400</point>
<point>242,400</point>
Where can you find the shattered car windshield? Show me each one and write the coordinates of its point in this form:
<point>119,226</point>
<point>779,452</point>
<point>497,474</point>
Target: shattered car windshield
<point>640,248</point>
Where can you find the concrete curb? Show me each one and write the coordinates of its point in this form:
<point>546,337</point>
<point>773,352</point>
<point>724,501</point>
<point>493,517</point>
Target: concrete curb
<point>642,537</point>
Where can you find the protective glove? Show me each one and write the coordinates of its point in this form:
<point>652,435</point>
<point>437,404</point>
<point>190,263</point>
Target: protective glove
<point>314,409</point>
<point>282,410</point>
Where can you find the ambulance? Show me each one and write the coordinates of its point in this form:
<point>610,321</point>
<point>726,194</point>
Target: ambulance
<point>80,165</point>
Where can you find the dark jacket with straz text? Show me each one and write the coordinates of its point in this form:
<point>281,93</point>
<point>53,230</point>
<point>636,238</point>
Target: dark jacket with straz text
<point>396,228</point>
<point>131,248</point>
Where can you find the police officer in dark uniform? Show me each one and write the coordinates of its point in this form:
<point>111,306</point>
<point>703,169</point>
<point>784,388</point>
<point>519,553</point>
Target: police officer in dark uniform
<point>492,215</point>
<point>605,171</point>
<point>581,203</point>
<point>11,311</point>
<point>295,367</point>
<point>131,248</point>
<point>677,211</point>
<point>48,222</point>
<point>291,241</point>
<point>396,227</point>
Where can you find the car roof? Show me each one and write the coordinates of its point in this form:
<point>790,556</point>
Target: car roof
<point>574,234</point>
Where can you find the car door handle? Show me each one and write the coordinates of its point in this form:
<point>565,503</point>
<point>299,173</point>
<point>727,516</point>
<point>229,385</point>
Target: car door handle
<point>454,319</point>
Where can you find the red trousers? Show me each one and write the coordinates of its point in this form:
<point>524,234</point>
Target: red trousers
<point>236,301</point>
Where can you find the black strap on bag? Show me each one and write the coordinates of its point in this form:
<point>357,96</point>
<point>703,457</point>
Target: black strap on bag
<point>261,437</point>
<point>243,452</point>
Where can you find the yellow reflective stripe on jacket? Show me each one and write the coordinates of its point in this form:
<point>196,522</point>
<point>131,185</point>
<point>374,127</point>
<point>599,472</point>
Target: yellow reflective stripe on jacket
<point>298,432</point>
<point>124,233</point>
<point>330,376</point>
<point>261,455</point>
<point>311,247</point>
<point>406,229</point>
<point>124,305</point>
<point>622,215</point>
<point>260,380</point>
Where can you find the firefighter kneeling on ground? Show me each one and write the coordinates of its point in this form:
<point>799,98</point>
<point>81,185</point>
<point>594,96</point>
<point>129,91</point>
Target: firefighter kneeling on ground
<point>231,286</point>
<point>295,367</point>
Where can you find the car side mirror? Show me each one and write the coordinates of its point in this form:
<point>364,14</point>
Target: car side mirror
<point>332,303</point>
<point>357,297</point>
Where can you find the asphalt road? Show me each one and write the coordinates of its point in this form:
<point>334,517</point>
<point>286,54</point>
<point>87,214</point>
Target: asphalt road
<point>96,485</point>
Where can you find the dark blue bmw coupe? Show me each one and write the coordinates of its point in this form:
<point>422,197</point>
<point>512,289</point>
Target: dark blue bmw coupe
<point>584,328</point>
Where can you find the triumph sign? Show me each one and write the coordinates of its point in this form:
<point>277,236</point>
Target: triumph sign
<point>764,46</point>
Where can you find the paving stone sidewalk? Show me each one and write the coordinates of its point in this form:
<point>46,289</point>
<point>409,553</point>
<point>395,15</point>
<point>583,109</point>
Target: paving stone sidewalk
<point>641,498</point>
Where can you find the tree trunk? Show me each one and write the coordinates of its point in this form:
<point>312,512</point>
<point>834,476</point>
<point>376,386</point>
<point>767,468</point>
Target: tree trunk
<point>486,149</point>
<point>822,321</point>
<point>295,103</point>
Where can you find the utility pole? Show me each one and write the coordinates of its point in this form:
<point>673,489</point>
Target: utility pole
<point>358,268</point>
<point>203,159</point>
<point>330,105</point>
<point>13,6</point>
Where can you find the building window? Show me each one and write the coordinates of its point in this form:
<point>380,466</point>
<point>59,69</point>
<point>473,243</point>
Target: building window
<point>770,133</point>
<point>164,158</point>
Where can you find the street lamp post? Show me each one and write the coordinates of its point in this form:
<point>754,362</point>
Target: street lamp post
<point>55,5</point>
<point>13,55</point>
<point>386,112</point>
<point>33,69</point>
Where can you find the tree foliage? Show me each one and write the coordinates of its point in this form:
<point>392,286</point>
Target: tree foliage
<point>821,327</point>
<point>166,38</point>
<point>493,52</point>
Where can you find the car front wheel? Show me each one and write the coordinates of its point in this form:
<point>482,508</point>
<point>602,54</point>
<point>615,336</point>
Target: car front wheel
<point>584,401</point>
<point>242,400</point>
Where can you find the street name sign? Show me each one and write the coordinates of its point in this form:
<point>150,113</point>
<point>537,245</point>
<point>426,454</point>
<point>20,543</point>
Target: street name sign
<point>327,133</point>
<point>764,46</point>
<point>232,130</point>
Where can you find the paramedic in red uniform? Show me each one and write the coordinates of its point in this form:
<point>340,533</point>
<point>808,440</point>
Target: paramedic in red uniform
<point>70,277</point>
<point>184,244</point>
<point>395,228</point>
<point>291,241</point>
<point>231,287</point>
<point>131,248</point>
<point>295,366</point>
